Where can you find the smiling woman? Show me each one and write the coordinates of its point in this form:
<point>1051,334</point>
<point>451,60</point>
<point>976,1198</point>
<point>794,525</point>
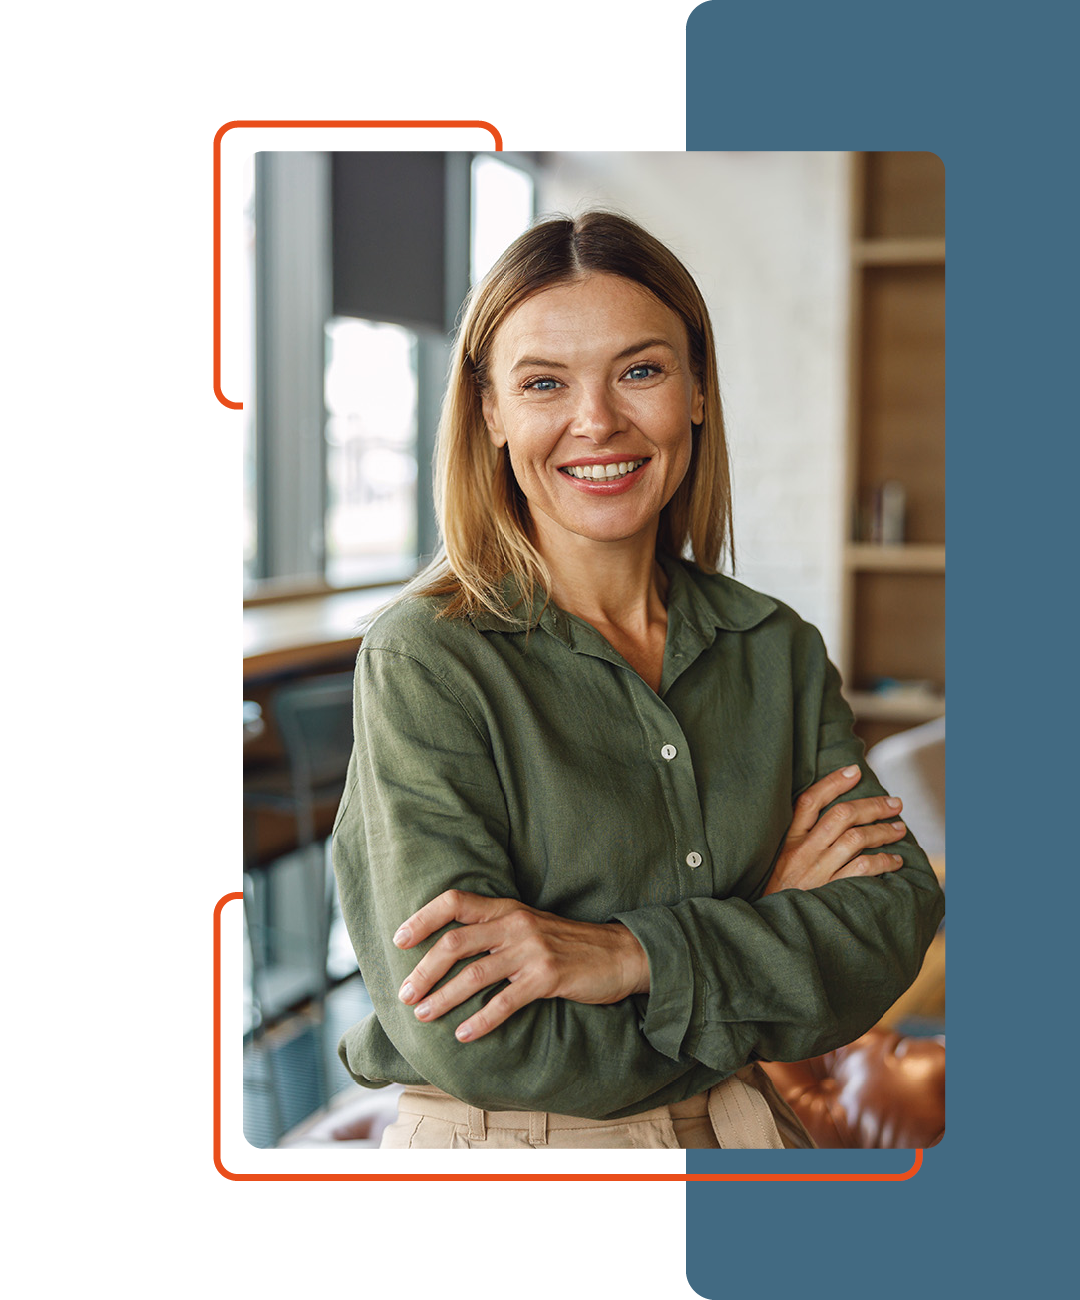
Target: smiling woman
<point>599,438</point>
<point>607,839</point>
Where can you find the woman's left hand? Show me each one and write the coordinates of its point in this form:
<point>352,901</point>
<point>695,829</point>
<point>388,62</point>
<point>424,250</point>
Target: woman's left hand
<point>542,955</point>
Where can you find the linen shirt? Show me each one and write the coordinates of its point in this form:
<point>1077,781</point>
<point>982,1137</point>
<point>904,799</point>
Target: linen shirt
<point>528,760</point>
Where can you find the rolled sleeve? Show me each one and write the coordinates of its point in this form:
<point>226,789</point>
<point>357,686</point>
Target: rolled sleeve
<point>669,1005</point>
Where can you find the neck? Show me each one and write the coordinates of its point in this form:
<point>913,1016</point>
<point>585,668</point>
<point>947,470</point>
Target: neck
<point>608,584</point>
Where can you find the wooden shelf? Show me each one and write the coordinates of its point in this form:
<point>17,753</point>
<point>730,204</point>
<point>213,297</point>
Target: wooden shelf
<point>894,596</point>
<point>919,251</point>
<point>914,557</point>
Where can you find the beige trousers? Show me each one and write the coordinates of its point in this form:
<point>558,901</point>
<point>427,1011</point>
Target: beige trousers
<point>743,1112</point>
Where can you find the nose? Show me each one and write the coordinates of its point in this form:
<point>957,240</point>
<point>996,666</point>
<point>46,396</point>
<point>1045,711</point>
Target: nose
<point>596,415</point>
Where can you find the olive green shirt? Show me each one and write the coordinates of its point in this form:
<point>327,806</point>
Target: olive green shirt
<point>529,760</point>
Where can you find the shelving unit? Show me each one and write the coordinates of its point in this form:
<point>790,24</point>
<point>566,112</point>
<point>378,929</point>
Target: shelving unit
<point>894,595</point>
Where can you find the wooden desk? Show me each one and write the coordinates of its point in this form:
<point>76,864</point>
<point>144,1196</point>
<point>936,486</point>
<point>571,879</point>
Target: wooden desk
<point>304,635</point>
<point>306,632</point>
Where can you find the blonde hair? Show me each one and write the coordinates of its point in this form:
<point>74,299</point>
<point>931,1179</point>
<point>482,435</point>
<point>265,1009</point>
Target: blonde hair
<point>482,513</point>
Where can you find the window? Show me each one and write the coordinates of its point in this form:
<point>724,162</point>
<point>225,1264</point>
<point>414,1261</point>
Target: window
<point>502,207</point>
<point>361,262</point>
<point>371,403</point>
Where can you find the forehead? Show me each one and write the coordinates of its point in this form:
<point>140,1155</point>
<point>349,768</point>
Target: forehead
<point>591,315</point>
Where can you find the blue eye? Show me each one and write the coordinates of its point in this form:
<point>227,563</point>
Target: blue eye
<point>643,371</point>
<point>543,385</point>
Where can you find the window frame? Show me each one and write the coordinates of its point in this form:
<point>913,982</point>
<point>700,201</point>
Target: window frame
<point>293,302</point>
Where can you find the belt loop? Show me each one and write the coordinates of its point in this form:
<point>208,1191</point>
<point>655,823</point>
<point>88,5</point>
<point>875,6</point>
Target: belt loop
<point>538,1128</point>
<point>477,1126</point>
<point>740,1116</point>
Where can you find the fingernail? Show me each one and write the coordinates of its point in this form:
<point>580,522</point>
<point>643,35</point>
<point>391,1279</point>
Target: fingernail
<point>897,858</point>
<point>402,936</point>
<point>423,1011</point>
<point>407,994</point>
<point>850,771</point>
<point>463,1033</point>
<point>894,803</point>
<point>898,826</point>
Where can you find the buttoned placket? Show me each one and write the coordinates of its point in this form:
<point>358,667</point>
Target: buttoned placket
<point>669,751</point>
<point>685,642</point>
<point>667,747</point>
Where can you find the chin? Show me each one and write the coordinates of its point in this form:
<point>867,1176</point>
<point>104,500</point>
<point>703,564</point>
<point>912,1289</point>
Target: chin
<point>615,532</point>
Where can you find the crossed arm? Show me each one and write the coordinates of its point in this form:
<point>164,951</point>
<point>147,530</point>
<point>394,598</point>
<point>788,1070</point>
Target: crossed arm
<point>542,955</point>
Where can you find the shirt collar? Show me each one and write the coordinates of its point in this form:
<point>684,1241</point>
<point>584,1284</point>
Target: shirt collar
<point>708,601</point>
<point>704,601</point>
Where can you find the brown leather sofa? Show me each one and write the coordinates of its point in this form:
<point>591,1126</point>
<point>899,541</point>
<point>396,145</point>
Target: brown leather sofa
<point>882,1090</point>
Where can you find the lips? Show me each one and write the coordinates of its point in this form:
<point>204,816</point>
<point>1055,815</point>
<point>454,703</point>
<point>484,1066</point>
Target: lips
<point>606,477</point>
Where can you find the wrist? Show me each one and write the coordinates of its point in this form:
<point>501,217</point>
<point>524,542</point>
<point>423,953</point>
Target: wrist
<point>633,960</point>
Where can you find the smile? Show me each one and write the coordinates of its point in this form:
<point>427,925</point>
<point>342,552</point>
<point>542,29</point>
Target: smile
<point>603,473</point>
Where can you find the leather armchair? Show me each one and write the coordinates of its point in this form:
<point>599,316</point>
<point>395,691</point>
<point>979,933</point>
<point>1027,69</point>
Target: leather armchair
<point>882,1090</point>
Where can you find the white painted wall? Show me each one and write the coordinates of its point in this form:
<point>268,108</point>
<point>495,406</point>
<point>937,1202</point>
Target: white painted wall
<point>765,235</point>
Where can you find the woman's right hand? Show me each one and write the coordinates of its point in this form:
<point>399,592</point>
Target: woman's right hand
<point>820,847</point>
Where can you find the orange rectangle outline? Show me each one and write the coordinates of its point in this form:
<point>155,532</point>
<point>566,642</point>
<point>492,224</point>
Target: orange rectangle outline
<point>228,394</point>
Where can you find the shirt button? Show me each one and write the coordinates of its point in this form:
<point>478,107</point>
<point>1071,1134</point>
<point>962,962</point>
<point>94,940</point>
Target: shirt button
<point>669,752</point>
<point>693,860</point>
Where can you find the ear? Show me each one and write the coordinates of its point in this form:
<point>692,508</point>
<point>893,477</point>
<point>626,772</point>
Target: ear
<point>697,404</point>
<point>491,419</point>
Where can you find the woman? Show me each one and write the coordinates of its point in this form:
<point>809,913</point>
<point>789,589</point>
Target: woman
<point>581,902</point>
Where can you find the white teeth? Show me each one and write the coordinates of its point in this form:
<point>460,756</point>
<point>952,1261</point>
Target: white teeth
<point>603,473</point>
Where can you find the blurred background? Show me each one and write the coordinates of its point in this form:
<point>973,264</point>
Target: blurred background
<point>825,278</point>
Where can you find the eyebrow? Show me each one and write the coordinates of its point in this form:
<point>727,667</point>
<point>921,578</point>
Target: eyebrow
<point>619,356</point>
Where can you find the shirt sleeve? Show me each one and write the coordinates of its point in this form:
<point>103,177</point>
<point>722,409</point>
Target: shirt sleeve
<point>799,972</point>
<point>424,812</point>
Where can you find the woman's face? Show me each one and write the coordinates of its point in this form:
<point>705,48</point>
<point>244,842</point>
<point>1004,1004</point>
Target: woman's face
<point>590,391</point>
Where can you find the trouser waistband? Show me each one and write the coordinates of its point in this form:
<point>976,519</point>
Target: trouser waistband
<point>739,1114</point>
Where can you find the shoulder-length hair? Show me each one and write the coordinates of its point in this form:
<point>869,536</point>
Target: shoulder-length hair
<point>482,513</point>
